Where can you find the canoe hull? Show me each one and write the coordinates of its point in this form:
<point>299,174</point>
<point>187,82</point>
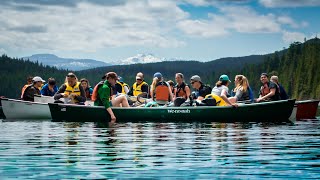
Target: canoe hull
<point>259,112</point>
<point>307,109</point>
<point>17,109</point>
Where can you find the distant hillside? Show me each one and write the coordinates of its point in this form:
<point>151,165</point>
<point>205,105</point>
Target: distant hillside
<point>297,68</point>
<point>208,71</point>
<point>66,63</point>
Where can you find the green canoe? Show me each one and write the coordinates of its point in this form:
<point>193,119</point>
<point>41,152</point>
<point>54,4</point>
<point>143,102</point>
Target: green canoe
<point>276,111</point>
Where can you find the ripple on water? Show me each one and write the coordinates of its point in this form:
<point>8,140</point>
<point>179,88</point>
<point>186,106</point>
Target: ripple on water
<point>56,150</point>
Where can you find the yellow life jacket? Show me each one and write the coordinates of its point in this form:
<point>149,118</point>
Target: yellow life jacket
<point>75,89</point>
<point>219,100</point>
<point>123,85</point>
<point>137,88</point>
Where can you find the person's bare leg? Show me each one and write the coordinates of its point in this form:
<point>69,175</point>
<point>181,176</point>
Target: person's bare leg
<point>232,99</point>
<point>120,100</point>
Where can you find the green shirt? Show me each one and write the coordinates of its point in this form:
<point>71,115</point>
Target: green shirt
<point>103,95</point>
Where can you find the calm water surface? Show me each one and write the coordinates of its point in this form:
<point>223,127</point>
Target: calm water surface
<point>59,150</point>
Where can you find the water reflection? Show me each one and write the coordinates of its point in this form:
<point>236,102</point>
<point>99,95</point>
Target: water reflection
<point>170,150</point>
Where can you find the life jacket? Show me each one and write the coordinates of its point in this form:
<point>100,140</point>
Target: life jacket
<point>23,89</point>
<point>137,88</point>
<point>122,86</point>
<point>161,91</point>
<point>181,92</point>
<point>219,101</point>
<point>75,89</point>
<point>264,90</point>
<point>95,95</point>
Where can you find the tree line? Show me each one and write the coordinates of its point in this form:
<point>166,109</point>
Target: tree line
<point>297,68</point>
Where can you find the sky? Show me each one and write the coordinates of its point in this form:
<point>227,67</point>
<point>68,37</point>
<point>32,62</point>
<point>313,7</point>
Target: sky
<point>109,30</point>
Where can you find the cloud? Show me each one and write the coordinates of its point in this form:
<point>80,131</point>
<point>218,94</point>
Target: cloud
<point>235,18</point>
<point>29,29</point>
<point>289,3</point>
<point>2,51</point>
<point>287,20</point>
<point>290,37</point>
<point>89,26</point>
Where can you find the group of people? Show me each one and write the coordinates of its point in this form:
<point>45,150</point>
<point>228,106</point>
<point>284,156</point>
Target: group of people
<point>113,91</point>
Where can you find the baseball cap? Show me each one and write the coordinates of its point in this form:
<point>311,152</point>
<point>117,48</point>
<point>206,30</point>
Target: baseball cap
<point>157,75</point>
<point>38,78</point>
<point>195,78</point>
<point>224,77</point>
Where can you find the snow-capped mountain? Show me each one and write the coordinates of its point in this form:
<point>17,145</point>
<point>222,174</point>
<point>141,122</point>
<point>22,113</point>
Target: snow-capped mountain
<point>140,58</point>
<point>66,63</point>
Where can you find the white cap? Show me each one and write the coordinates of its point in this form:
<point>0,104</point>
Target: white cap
<point>37,78</point>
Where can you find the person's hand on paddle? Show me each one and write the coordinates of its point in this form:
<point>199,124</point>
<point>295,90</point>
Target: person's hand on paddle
<point>234,105</point>
<point>113,119</point>
<point>65,95</point>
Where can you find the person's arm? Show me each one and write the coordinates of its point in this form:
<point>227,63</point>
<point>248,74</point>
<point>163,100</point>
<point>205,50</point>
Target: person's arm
<point>82,97</point>
<point>270,94</point>
<point>188,92</point>
<point>225,98</point>
<point>44,90</point>
<point>145,88</point>
<point>126,89</point>
<point>130,93</point>
<point>104,95</point>
<point>239,94</point>
<point>29,94</point>
<point>170,92</point>
<point>60,93</point>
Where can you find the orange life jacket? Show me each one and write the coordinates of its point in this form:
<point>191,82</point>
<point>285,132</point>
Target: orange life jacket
<point>181,92</point>
<point>162,91</point>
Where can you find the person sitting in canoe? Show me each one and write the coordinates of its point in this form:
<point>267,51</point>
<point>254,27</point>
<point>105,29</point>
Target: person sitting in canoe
<point>121,86</point>
<point>33,89</point>
<point>140,86</point>
<point>71,90</point>
<point>269,91</point>
<point>50,88</point>
<point>102,95</point>
<point>283,93</point>
<point>242,90</point>
<point>181,90</point>
<point>201,90</point>
<point>160,90</point>
<point>29,82</point>
<point>221,90</point>
<point>87,88</point>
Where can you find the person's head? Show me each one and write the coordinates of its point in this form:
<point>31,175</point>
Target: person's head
<point>120,79</point>
<point>158,75</point>
<point>171,84</point>
<point>37,81</point>
<point>195,81</point>
<point>139,77</point>
<point>29,80</point>
<point>84,83</point>
<point>264,78</point>
<point>179,78</point>
<point>51,82</point>
<point>274,79</point>
<point>71,79</point>
<point>223,80</point>
<point>111,77</point>
<point>241,81</point>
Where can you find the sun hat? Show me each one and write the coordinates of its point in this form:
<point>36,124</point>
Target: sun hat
<point>224,77</point>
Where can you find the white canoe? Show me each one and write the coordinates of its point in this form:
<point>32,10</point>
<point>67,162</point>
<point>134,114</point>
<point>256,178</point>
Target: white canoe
<point>49,99</point>
<point>17,109</point>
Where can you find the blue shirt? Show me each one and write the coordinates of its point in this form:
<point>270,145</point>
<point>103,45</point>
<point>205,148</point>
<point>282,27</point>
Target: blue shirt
<point>46,92</point>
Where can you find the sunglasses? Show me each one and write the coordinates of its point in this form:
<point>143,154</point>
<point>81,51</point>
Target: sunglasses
<point>71,76</point>
<point>193,82</point>
<point>139,79</point>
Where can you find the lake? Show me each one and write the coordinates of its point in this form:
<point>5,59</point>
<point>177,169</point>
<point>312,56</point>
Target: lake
<point>59,150</point>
